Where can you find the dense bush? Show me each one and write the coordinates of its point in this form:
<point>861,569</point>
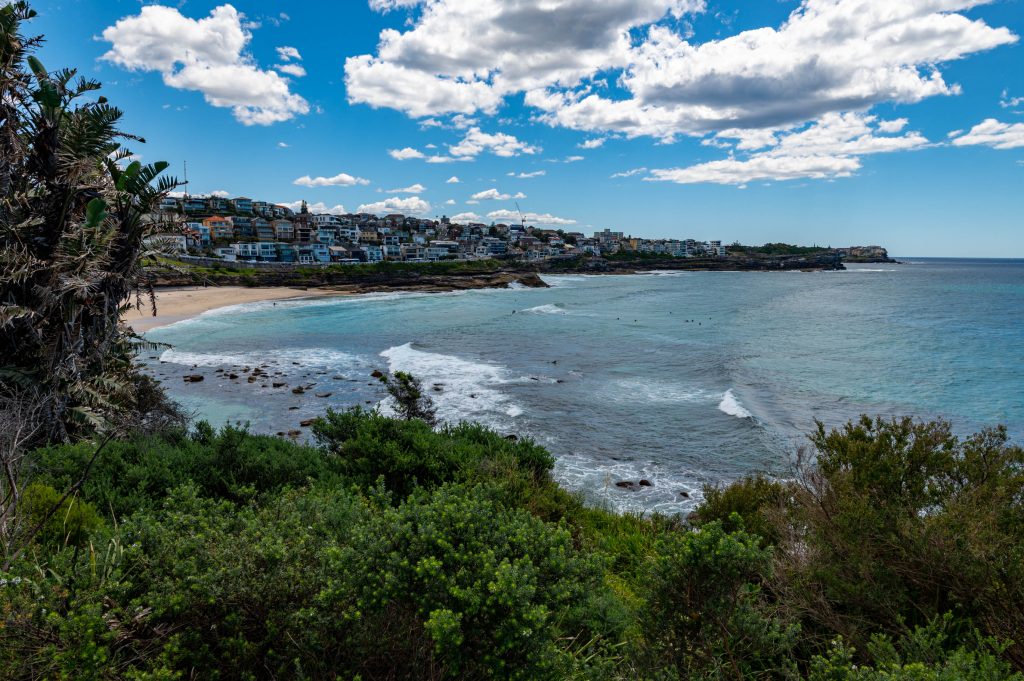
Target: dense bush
<point>396,551</point>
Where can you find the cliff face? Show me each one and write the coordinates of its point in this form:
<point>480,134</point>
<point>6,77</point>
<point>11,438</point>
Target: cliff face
<point>867,254</point>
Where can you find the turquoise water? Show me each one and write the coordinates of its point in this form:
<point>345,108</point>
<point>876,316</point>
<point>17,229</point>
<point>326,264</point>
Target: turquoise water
<point>678,378</point>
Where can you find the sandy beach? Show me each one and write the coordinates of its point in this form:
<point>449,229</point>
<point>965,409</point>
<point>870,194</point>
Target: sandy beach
<point>175,304</point>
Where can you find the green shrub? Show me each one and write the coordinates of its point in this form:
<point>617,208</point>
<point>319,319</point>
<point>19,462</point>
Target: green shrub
<point>138,473</point>
<point>705,615</point>
<point>756,499</point>
<point>69,523</point>
<point>468,589</point>
<point>407,454</point>
<point>898,522</point>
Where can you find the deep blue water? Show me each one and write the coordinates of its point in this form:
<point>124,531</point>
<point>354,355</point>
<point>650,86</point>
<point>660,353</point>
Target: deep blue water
<point>679,378</point>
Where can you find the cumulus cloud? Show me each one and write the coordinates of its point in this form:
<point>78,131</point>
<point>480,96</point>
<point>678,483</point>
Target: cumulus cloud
<point>286,53</point>
<point>464,56</point>
<point>593,144</point>
<point>339,180</point>
<point>205,55</point>
<point>412,205</point>
<point>993,133</point>
<point>466,217</point>
<point>220,193</point>
<point>500,144</point>
<point>412,189</point>
<point>531,218</point>
<point>317,208</point>
<point>405,154</point>
<point>283,145</point>
<point>829,148</point>
<point>829,56</point>
<point>528,176</point>
<point>452,180</point>
<point>450,202</point>
<point>573,159</point>
<point>292,69</point>
<point>495,195</point>
<point>1008,102</point>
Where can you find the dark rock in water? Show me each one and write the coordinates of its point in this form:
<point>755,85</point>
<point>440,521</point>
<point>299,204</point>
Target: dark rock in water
<point>438,389</point>
<point>339,378</point>
<point>560,381</point>
<point>306,423</point>
<point>294,433</point>
<point>292,408</point>
<point>299,390</point>
<point>324,394</point>
<point>252,379</point>
<point>219,371</point>
<point>684,494</point>
<point>280,433</point>
<point>646,483</point>
<point>512,438</point>
<point>369,401</point>
<point>279,385</point>
<point>626,484</point>
<point>232,376</point>
<point>377,373</point>
<point>194,378</point>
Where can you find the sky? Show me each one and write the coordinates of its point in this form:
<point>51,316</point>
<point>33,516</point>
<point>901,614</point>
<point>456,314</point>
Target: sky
<point>829,122</point>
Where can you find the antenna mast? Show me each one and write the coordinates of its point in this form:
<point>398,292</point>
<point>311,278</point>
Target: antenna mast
<point>185,166</point>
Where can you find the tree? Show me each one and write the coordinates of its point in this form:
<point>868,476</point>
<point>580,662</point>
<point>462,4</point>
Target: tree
<point>410,402</point>
<point>74,210</point>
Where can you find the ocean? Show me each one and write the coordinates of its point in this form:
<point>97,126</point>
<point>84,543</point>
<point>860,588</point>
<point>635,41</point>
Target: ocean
<point>678,378</point>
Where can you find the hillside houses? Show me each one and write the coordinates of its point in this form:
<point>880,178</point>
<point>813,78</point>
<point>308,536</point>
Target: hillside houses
<point>245,229</point>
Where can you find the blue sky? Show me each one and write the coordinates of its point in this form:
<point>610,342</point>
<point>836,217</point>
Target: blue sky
<point>825,121</point>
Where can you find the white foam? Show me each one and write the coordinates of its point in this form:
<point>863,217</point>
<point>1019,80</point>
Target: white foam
<point>731,406</point>
<point>468,389</point>
<point>632,390</point>
<point>596,480</point>
<point>564,280</point>
<point>279,358</point>
<point>868,269</point>
<point>550,308</point>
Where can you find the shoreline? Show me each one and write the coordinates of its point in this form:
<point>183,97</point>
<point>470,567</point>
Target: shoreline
<point>177,303</point>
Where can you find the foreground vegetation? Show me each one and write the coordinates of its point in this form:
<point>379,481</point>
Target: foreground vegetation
<point>388,549</point>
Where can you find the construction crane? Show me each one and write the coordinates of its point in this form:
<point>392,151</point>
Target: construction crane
<point>522,220</point>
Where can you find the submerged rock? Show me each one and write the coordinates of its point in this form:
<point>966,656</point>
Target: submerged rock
<point>193,378</point>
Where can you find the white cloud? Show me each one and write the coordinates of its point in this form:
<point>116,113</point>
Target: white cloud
<point>466,217</point>
<point>531,218</point>
<point>1008,102</point>
<point>495,195</point>
<point>220,193</point>
<point>829,148</point>
<point>292,69</point>
<point>500,144</point>
<point>450,202</point>
<point>995,134</point>
<point>388,5</point>
<point>339,180</point>
<point>472,202</point>
<point>316,208</point>
<point>283,145</point>
<point>206,55</point>
<point>412,189</point>
<point>573,159</point>
<point>412,205</point>
<point>285,53</point>
<point>593,143</point>
<point>452,180</point>
<point>892,126</point>
<point>463,56</point>
<point>448,159</point>
<point>405,154</point>
<point>630,173</point>
<point>829,56</point>
<point>527,176</point>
